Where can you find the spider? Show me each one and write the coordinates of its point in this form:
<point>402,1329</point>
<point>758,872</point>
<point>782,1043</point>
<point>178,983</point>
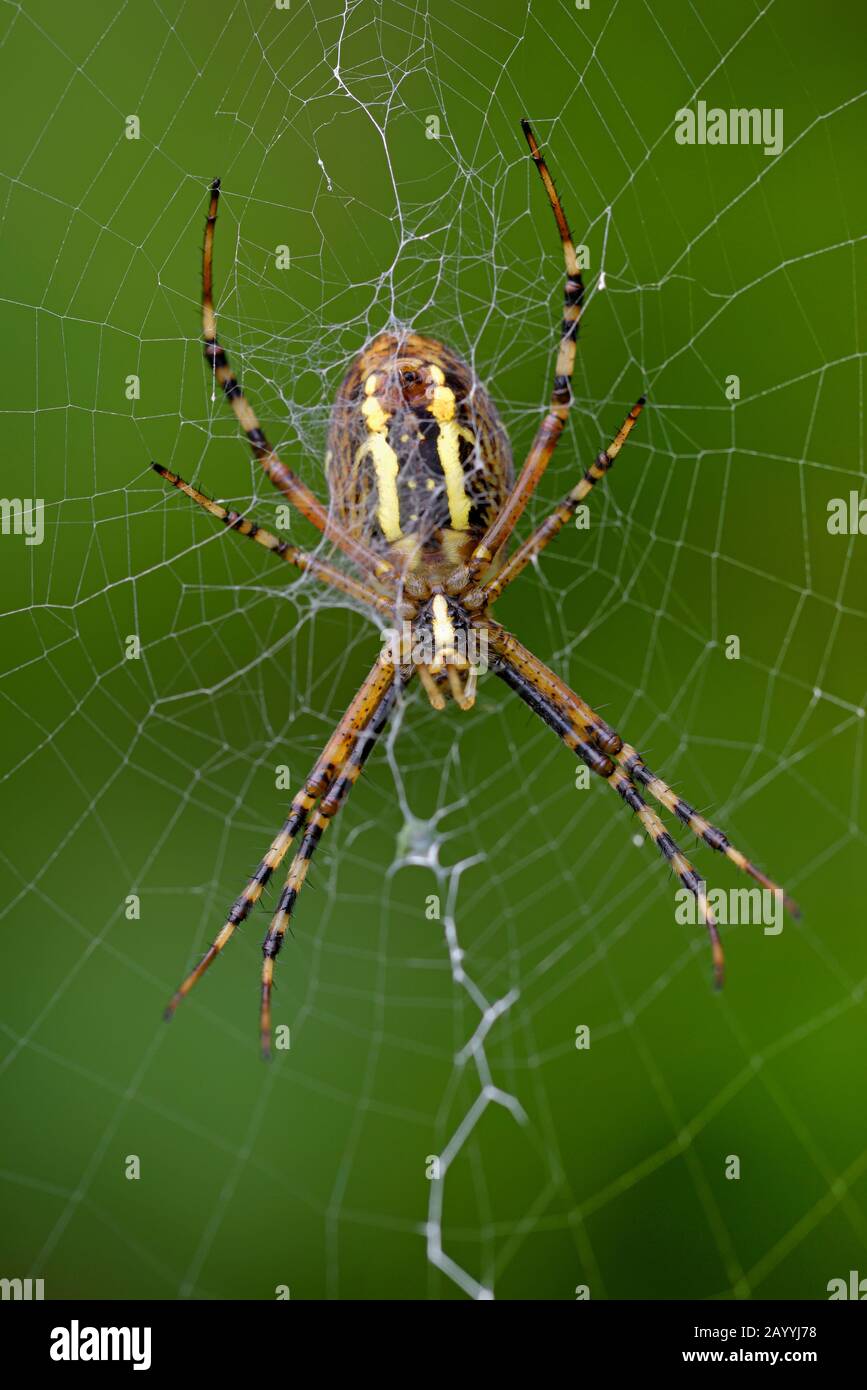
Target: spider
<point>423,501</point>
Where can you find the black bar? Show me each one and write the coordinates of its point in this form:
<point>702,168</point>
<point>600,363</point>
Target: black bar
<point>285,1338</point>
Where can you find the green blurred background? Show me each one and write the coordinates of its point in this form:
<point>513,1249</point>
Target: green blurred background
<point>157,777</point>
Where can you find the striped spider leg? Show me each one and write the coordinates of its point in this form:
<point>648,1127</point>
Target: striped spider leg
<point>317,823</point>
<point>603,750</point>
<point>283,478</point>
<point>554,422</point>
<point>301,559</point>
<point>350,735</point>
<point>553,524</point>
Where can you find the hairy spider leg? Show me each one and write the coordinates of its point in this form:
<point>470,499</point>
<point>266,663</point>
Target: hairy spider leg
<point>301,559</point>
<point>554,422</point>
<point>640,774</point>
<point>564,511</point>
<point>283,478</point>
<point>318,823</point>
<point>604,737</point>
<point>373,690</point>
<point>602,765</point>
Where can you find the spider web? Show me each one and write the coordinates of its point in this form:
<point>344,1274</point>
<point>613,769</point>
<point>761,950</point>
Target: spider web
<point>472,907</point>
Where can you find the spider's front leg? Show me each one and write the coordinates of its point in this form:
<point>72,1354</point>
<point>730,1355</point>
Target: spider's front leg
<point>605,753</point>
<point>318,823</point>
<point>374,690</point>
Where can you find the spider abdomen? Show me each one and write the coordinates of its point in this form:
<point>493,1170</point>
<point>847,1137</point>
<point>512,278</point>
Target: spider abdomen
<point>418,461</point>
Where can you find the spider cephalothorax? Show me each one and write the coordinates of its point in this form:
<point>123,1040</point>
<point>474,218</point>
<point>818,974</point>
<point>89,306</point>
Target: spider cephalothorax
<point>445,644</point>
<point>423,504</point>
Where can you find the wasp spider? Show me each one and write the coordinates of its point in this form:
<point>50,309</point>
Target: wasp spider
<point>423,501</point>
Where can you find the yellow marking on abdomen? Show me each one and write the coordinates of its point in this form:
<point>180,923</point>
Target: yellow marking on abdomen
<point>387,467</point>
<point>449,451</point>
<point>384,461</point>
<point>448,448</point>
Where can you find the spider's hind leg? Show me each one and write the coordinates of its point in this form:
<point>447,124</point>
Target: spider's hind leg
<point>553,524</point>
<point>283,478</point>
<point>554,422</point>
<point>301,559</point>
